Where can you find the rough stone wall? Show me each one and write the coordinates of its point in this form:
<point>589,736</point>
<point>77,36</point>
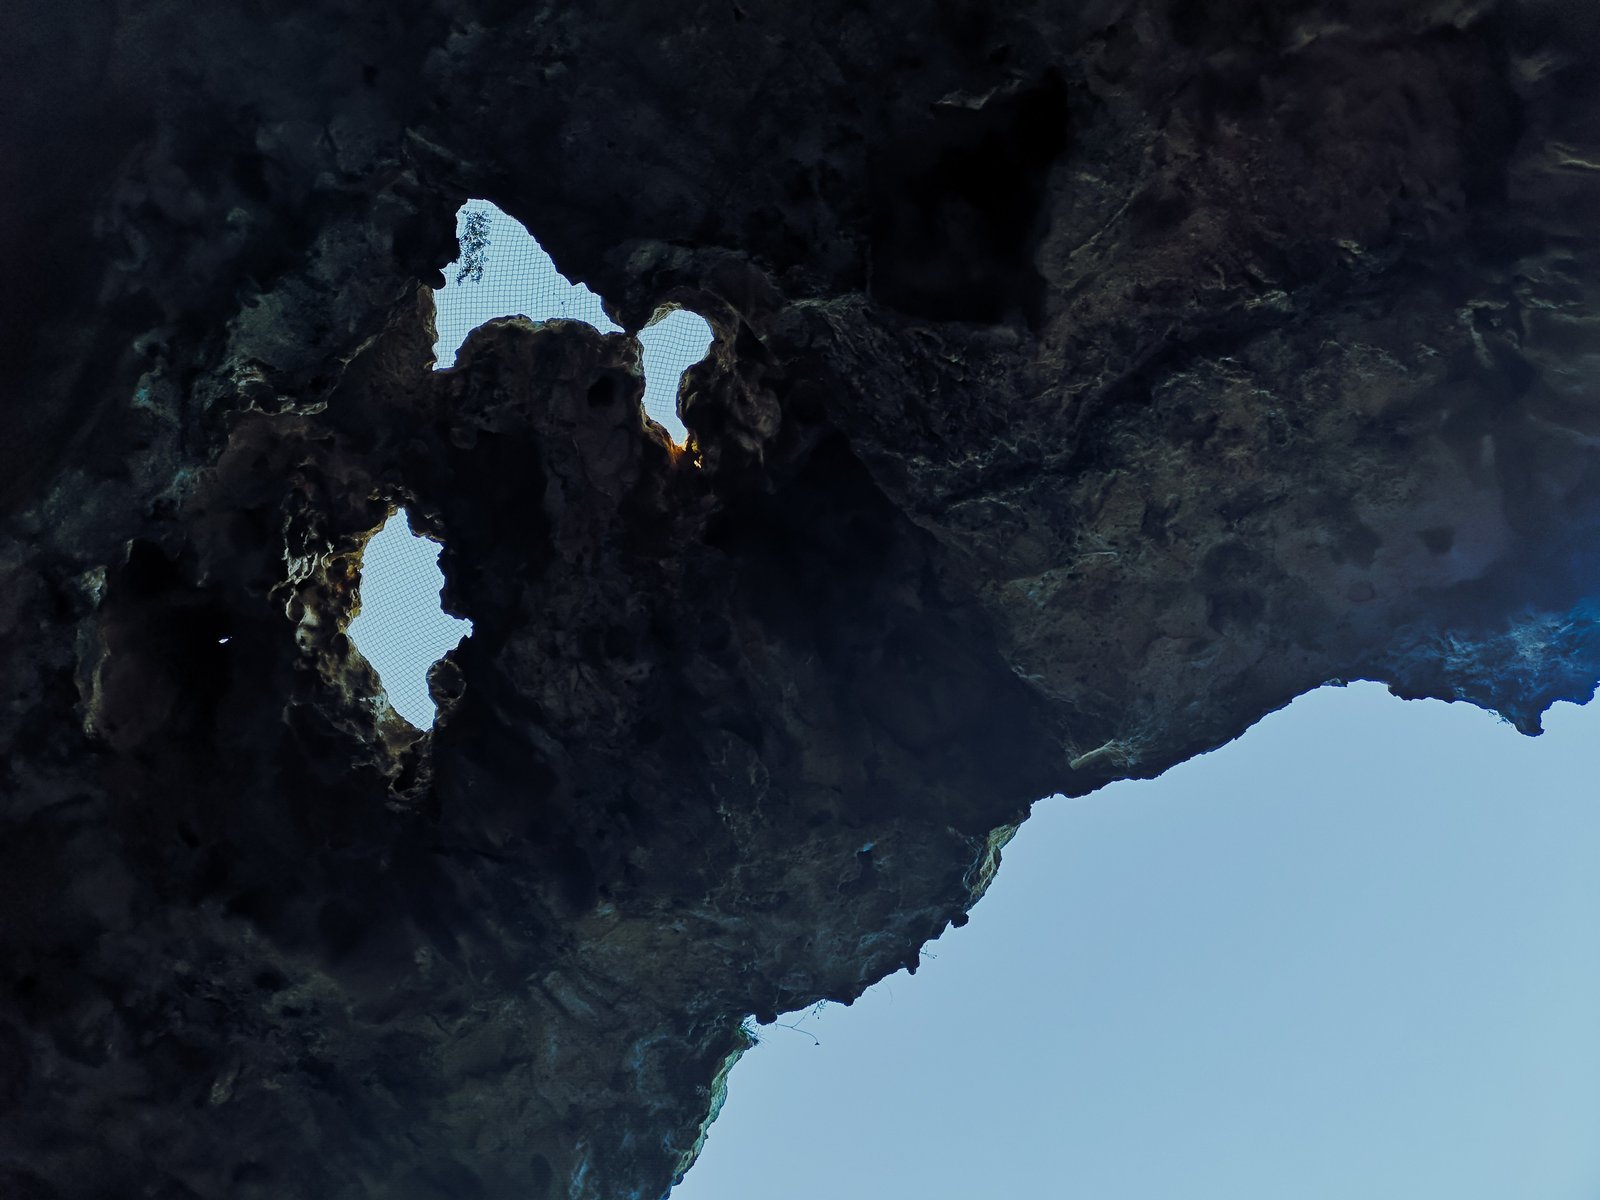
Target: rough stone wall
<point>1089,381</point>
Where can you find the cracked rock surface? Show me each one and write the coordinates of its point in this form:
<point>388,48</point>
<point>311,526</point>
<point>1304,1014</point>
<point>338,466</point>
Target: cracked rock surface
<point>1087,382</point>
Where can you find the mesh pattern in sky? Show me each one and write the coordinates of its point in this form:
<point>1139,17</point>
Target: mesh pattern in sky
<point>671,344</point>
<point>402,629</point>
<point>504,272</point>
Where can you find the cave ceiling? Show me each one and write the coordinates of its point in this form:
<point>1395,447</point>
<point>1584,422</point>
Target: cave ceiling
<point>1088,381</point>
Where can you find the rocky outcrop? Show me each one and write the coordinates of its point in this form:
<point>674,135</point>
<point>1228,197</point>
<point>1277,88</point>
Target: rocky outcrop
<point>1086,384</point>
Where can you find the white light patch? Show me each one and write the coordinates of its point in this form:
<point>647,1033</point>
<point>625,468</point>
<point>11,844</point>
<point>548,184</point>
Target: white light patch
<point>402,630</point>
<point>504,272</point>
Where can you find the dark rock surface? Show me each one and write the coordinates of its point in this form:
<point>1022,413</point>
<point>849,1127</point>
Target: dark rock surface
<point>1089,381</point>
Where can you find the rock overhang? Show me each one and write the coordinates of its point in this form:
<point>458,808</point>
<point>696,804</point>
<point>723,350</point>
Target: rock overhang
<point>1260,357</point>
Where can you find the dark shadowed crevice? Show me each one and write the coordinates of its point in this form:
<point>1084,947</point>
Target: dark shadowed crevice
<point>959,209</point>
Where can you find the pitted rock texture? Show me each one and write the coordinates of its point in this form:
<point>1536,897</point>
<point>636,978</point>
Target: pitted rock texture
<point>1088,381</point>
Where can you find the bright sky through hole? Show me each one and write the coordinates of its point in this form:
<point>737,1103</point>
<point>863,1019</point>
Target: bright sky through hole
<point>402,629</point>
<point>1350,955</point>
<point>519,279</point>
<point>671,344</point>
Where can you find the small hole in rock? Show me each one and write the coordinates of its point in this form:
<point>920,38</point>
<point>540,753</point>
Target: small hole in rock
<point>673,342</point>
<point>402,629</point>
<point>503,271</point>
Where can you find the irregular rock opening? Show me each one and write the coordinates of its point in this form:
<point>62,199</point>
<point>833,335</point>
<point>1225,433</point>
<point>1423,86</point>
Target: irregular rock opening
<point>503,271</point>
<point>674,340</point>
<point>401,628</point>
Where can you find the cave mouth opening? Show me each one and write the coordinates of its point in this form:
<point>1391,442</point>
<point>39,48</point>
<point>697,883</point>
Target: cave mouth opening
<point>401,627</point>
<point>1342,939</point>
<point>503,271</point>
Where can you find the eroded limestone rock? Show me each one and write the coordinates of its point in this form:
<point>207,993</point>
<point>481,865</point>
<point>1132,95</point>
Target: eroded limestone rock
<point>1087,384</point>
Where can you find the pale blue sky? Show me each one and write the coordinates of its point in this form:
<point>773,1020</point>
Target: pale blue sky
<point>401,629</point>
<point>1351,955</point>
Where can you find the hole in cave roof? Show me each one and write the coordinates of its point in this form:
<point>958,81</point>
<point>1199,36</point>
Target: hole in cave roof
<point>673,341</point>
<point>504,272</point>
<point>402,629</point>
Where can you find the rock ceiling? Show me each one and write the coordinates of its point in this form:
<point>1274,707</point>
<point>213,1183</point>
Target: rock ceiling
<point>1089,380</point>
